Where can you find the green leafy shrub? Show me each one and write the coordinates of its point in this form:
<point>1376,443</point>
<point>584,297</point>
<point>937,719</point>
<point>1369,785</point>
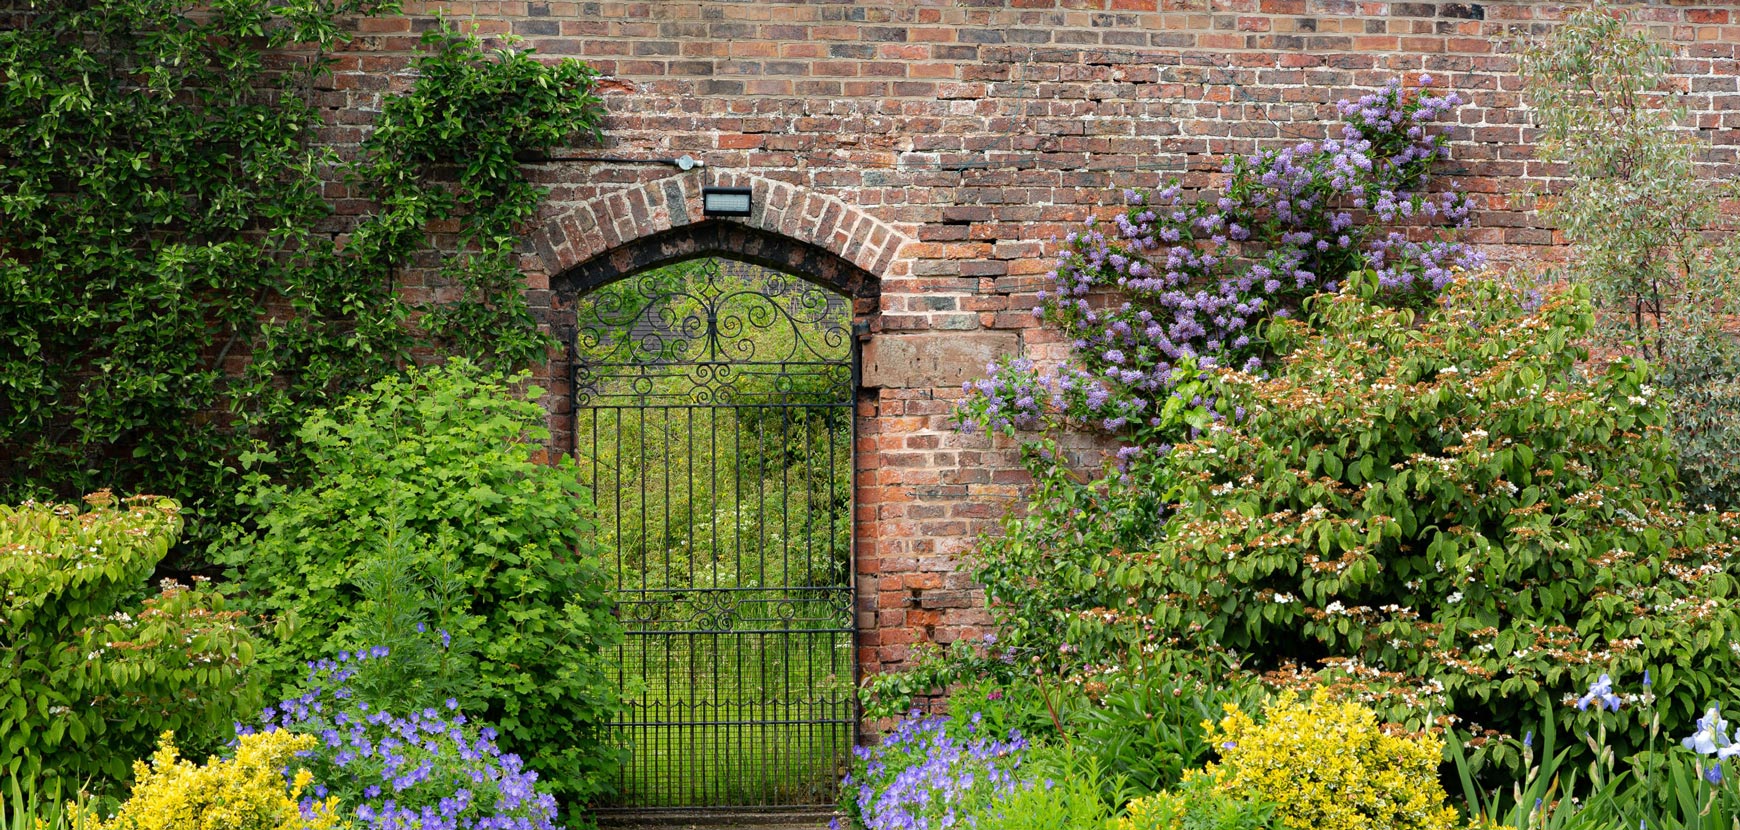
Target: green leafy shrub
<point>1327,765</point>
<point>1434,504</point>
<point>1144,720</point>
<point>1066,795</point>
<point>430,516</point>
<point>1198,805</point>
<point>170,288</point>
<point>1646,232</point>
<point>87,678</point>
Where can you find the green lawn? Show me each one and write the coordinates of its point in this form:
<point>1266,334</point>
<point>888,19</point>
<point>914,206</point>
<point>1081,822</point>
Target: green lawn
<point>736,719</point>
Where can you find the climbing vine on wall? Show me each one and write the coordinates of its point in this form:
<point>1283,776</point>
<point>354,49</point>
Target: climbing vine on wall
<point>174,284</point>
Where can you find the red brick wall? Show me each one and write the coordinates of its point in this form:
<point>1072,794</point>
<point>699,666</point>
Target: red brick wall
<point>937,145</point>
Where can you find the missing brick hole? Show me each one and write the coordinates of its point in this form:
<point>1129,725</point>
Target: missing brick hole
<point>1466,11</point>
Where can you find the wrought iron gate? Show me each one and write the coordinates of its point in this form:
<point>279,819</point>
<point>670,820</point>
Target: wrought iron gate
<point>713,422</point>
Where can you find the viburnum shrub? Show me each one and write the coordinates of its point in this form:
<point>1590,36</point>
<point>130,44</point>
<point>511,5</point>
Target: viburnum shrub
<point>1430,503</point>
<point>88,678</point>
<point>1195,276</point>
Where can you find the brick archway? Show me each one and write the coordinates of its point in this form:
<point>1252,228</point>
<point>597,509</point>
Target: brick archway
<point>922,491</point>
<point>616,226</point>
<point>816,238</point>
<point>730,240</point>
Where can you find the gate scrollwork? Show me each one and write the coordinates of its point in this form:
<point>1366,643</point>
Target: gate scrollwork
<point>711,334</point>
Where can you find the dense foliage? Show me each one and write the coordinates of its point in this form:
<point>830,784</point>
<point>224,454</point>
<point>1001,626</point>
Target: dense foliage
<point>172,285</point>
<point>1436,502</point>
<point>432,529</point>
<point>244,792</point>
<point>89,678</point>
<point>1390,482</point>
<point>1431,505</point>
<point>1645,226</point>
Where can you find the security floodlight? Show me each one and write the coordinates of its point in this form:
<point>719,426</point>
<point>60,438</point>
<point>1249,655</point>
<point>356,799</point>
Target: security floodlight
<point>725,201</point>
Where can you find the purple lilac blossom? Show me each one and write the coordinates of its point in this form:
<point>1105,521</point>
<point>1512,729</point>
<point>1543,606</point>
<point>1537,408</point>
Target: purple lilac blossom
<point>1197,275</point>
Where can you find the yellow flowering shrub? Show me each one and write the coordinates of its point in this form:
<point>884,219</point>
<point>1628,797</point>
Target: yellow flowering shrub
<point>1196,805</point>
<point>1326,765</point>
<point>1160,811</point>
<point>246,793</point>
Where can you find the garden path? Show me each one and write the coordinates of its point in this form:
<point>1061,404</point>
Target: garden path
<point>700,820</point>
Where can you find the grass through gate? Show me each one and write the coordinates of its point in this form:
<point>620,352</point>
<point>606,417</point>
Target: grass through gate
<point>722,492</point>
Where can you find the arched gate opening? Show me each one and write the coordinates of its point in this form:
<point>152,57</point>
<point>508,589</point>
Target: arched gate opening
<point>713,420</point>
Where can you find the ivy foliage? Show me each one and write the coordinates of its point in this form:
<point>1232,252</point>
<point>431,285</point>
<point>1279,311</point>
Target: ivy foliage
<point>174,284</point>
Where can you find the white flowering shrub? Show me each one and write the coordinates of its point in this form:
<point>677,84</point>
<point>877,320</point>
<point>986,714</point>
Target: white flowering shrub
<point>1432,504</point>
<point>91,677</point>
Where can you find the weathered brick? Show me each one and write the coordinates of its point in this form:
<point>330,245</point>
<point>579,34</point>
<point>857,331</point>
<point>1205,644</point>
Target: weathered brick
<point>919,157</point>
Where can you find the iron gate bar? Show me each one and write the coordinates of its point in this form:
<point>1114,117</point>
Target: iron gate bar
<point>734,561</point>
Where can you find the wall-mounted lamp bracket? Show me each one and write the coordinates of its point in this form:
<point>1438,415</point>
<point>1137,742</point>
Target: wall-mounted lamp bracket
<point>683,162</point>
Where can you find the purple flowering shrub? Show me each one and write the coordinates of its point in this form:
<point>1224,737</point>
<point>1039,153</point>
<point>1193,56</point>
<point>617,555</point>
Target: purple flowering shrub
<point>431,769</point>
<point>924,776</point>
<point>1197,276</point>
